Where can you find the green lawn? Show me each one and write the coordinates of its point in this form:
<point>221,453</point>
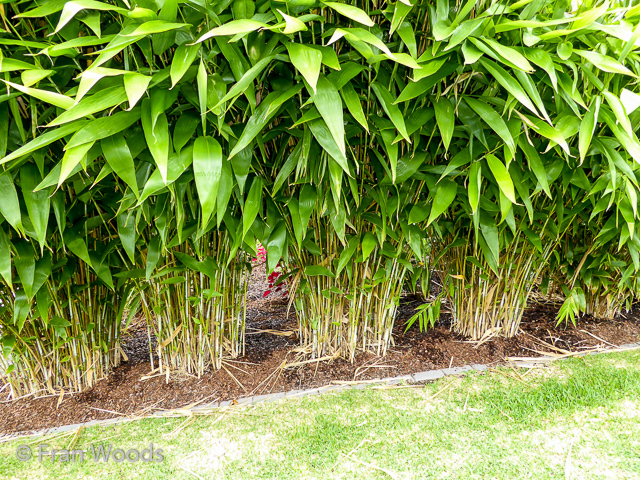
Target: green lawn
<point>578,418</point>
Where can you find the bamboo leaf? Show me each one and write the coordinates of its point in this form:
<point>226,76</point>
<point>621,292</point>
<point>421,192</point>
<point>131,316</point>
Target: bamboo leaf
<point>475,185</point>
<point>207,169</point>
<point>445,117</point>
<point>45,139</point>
<point>118,156</point>
<point>234,27</point>
<point>135,86</point>
<point>327,100</point>
<point>97,102</point>
<point>53,98</point>
<point>252,206</point>
<point>183,58</point>
<point>392,111</point>
<point>604,63</point>
<point>352,101</point>
<point>37,203</point>
<point>9,206</point>
<point>442,199</point>
<point>502,177</point>
<point>587,128</point>
<point>349,11</point>
<point>157,137</point>
<point>495,121</point>
<point>308,62</point>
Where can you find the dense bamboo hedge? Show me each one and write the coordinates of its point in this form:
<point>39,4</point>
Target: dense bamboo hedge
<point>148,146</point>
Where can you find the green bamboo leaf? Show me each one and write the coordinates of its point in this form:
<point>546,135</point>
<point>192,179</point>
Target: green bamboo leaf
<point>400,11</point>
<point>31,77</point>
<point>104,127</point>
<point>464,31</point>
<point>70,10</point>
<point>445,116</point>
<point>25,263</point>
<point>502,177</point>
<point>37,203</point>
<point>510,54</point>
<point>536,166</point>
<point>509,83</point>
<point>4,128</point>
<point>153,256</point>
<point>618,110</point>
<point>419,213</point>
<point>155,26</point>
<point>317,271</point>
<point>306,205</point>
<point>292,24</point>
<point>246,81</point>
<point>12,65</point>
<point>5,259</point>
<point>135,86</point>
<point>369,242</point>
<point>207,169</point>
<point>349,11</point>
<point>475,186</point>
<point>71,159</point>
<point>347,254</point>
<point>442,199</point>
<point>308,62</point>
<point>178,163</point>
<point>276,245</point>
<point>352,101</point>
<point>324,137</point>
<point>53,98</point>
<point>587,128</point>
<point>327,100</point>
<point>45,139</point>
<point>329,56</point>
<point>392,111</point>
<point>630,100</point>
<point>89,78</point>
<point>234,27</point>
<point>127,233</point>
<point>551,133</point>
<point>183,58</point>
<point>424,85</point>
<point>97,102</point>
<point>604,63</point>
<point>359,34</point>
<point>157,137</point>
<point>252,206</point>
<point>225,190</point>
<point>495,121</point>
<point>185,128</point>
<point>542,59</point>
<point>408,37</point>
<point>9,206</point>
<point>491,238</point>
<point>74,242</point>
<point>118,156</point>
<point>47,8</point>
<point>263,114</point>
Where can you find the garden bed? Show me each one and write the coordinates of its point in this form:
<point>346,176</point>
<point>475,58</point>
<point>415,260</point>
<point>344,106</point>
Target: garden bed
<point>128,391</point>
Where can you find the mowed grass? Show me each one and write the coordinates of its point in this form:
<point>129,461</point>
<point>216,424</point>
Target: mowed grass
<point>578,418</point>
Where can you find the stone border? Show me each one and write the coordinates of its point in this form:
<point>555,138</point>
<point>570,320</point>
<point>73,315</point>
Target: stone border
<point>426,376</point>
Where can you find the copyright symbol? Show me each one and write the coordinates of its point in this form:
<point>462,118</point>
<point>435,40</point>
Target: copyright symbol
<point>23,453</point>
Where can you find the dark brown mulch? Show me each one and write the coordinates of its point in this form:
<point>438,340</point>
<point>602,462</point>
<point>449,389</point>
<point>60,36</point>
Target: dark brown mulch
<point>258,370</point>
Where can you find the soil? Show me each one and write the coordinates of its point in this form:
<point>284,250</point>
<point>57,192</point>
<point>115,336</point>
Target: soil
<point>126,393</point>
